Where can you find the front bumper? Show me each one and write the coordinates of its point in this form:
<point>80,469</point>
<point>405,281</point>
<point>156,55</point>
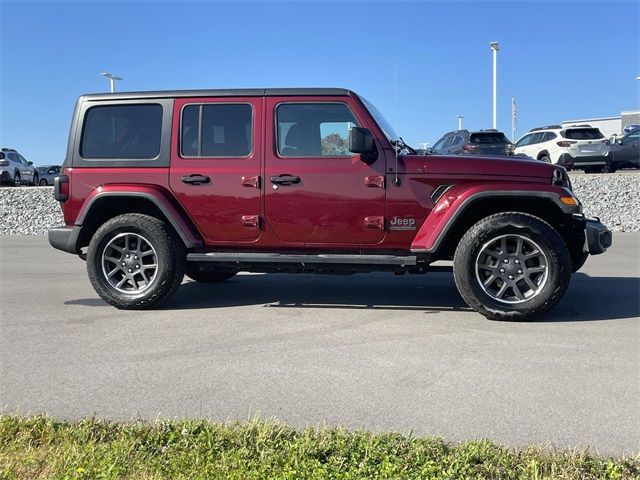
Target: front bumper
<point>64,238</point>
<point>597,236</point>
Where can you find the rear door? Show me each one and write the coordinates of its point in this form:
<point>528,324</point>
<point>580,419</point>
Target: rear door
<point>317,193</point>
<point>215,166</point>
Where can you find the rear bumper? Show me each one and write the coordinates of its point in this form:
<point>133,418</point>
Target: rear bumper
<point>566,160</point>
<point>597,236</point>
<point>64,238</point>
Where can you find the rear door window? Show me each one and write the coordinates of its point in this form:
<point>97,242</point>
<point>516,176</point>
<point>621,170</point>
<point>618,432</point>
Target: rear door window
<point>122,132</point>
<point>216,130</point>
<point>583,134</point>
<point>548,136</point>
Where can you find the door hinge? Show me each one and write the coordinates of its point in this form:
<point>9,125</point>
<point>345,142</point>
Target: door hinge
<point>251,181</point>
<point>252,221</point>
<point>374,181</point>
<point>374,222</point>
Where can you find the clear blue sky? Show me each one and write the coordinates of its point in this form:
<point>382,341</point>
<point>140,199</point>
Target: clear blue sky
<point>562,60</point>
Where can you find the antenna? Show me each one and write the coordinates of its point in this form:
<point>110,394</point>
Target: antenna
<point>396,180</point>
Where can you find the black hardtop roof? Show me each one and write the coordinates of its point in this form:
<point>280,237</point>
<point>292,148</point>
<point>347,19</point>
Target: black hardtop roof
<point>233,92</point>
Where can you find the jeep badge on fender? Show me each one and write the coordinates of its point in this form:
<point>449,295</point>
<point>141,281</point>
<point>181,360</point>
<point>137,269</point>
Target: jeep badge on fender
<point>209,183</point>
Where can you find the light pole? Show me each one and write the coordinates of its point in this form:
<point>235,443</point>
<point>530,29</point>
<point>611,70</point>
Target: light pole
<point>112,79</point>
<point>459,117</point>
<point>494,48</point>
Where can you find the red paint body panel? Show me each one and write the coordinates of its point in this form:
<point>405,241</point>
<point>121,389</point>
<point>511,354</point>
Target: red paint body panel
<point>453,200</point>
<point>329,206</point>
<point>217,207</point>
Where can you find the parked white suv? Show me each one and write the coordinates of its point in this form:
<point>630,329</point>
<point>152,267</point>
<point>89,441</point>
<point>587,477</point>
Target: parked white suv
<point>15,169</point>
<point>576,147</point>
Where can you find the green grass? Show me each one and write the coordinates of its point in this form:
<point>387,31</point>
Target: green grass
<point>40,447</point>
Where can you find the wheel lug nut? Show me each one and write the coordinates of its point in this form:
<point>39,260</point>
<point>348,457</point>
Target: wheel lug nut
<point>123,264</point>
<point>502,270</point>
<point>510,277</point>
<point>520,272</point>
<point>127,255</point>
<point>135,257</point>
<point>517,261</point>
<point>130,270</point>
<point>137,266</point>
<point>506,260</point>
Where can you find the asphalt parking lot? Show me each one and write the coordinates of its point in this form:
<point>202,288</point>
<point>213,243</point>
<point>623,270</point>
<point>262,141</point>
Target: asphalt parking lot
<point>366,351</point>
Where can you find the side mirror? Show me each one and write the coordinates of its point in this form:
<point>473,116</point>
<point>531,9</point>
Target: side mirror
<point>361,140</point>
<point>619,140</point>
<point>29,163</point>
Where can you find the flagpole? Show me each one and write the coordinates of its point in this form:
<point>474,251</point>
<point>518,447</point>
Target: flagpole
<point>513,118</point>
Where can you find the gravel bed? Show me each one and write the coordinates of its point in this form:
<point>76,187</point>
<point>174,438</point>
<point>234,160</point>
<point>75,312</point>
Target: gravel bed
<point>615,198</point>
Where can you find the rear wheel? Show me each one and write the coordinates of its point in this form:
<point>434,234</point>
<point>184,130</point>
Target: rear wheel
<point>35,181</point>
<point>545,158</point>
<point>43,182</point>
<point>135,261</point>
<point>512,266</point>
<point>201,273</point>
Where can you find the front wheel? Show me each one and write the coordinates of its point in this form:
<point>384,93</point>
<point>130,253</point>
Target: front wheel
<point>43,182</point>
<point>135,261</point>
<point>512,266</point>
<point>35,181</point>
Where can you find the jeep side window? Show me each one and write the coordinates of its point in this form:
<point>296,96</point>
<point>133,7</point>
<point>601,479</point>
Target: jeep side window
<point>122,132</point>
<point>216,130</point>
<point>314,129</point>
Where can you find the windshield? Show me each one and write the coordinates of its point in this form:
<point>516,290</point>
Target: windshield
<point>380,120</point>
<point>486,137</point>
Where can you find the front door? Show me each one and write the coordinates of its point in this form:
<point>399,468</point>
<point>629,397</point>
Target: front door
<point>317,193</point>
<point>215,166</point>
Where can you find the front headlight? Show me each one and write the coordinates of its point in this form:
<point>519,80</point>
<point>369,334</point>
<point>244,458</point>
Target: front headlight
<point>560,178</point>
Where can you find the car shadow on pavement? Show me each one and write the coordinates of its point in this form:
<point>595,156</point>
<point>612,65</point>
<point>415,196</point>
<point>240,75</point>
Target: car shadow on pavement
<point>588,298</point>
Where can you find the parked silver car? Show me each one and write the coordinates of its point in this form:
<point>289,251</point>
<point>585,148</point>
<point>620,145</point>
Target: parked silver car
<point>15,169</point>
<point>47,173</point>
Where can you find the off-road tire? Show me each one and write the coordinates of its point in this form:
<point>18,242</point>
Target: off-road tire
<point>171,259</point>
<point>195,271</point>
<point>529,227</point>
<point>545,159</point>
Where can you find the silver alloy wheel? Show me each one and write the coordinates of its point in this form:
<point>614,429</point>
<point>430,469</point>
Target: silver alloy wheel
<point>129,263</point>
<point>512,268</point>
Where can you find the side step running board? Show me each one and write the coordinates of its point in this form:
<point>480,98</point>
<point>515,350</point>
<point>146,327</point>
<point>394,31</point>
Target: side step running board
<point>301,259</point>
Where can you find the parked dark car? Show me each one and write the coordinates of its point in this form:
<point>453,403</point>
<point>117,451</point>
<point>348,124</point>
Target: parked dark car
<point>464,142</point>
<point>47,173</point>
<point>625,152</point>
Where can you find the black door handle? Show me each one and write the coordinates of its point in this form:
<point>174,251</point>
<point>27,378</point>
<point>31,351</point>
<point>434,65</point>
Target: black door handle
<point>285,179</point>
<point>196,179</point>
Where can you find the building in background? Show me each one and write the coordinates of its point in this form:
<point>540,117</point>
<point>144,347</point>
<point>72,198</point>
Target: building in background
<point>609,126</point>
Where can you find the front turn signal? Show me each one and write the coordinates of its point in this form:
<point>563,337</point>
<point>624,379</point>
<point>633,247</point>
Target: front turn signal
<point>569,200</point>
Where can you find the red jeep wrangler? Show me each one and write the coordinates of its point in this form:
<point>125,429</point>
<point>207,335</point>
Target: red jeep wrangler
<point>208,183</point>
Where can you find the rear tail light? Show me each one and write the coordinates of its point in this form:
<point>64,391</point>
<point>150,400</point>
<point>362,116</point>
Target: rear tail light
<point>565,143</point>
<point>470,148</point>
<point>4,163</point>
<point>61,188</point>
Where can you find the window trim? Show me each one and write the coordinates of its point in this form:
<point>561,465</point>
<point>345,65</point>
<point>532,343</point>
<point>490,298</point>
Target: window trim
<point>85,114</point>
<point>298,102</point>
<point>201,105</point>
